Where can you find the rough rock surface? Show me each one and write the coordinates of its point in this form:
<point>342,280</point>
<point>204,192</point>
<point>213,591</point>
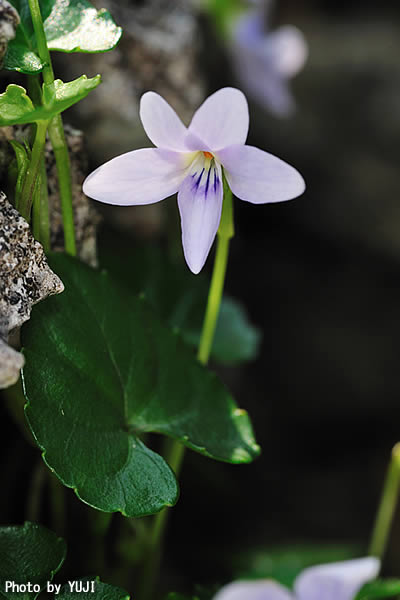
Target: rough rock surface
<point>9,19</point>
<point>25,279</point>
<point>11,362</point>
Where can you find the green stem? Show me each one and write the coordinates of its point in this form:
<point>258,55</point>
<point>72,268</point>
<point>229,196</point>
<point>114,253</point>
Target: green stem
<point>25,202</point>
<point>56,135</point>
<point>44,210</point>
<point>157,530</point>
<point>177,450</point>
<point>58,141</point>
<point>40,36</point>
<point>99,523</point>
<point>225,233</point>
<point>387,506</point>
<point>36,208</point>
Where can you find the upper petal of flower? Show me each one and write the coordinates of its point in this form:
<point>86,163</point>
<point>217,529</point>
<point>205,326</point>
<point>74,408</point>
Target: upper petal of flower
<point>222,119</point>
<point>161,123</point>
<point>258,177</point>
<point>139,177</point>
<point>200,205</point>
<point>336,581</point>
<point>254,590</point>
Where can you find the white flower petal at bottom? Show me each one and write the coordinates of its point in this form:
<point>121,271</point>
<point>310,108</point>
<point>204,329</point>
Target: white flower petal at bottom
<point>259,177</point>
<point>200,206</point>
<point>254,590</point>
<point>336,581</point>
<point>138,177</point>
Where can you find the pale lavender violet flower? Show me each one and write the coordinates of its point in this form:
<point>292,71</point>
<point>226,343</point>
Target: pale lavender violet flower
<point>264,61</point>
<point>190,161</point>
<point>334,581</point>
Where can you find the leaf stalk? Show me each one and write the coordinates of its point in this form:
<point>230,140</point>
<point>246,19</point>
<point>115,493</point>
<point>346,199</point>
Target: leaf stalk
<point>33,171</point>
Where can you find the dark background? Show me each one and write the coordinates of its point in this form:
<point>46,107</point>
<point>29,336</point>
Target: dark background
<point>320,276</point>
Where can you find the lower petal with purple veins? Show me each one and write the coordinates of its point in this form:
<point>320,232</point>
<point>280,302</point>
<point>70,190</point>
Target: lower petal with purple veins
<point>200,205</point>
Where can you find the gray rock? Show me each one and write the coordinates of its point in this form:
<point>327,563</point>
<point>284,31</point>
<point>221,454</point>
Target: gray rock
<point>11,362</point>
<point>25,279</point>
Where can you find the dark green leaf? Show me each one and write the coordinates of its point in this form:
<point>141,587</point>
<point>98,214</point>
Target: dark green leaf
<point>28,553</point>
<point>73,26</point>
<point>101,370</point>
<point>17,108</point>
<point>180,298</point>
<point>381,588</point>
<point>92,589</point>
<point>236,339</point>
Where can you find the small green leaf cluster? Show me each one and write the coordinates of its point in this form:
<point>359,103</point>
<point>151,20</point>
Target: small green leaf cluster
<point>16,108</point>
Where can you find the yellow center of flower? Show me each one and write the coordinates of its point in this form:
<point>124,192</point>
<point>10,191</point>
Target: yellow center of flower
<point>208,155</point>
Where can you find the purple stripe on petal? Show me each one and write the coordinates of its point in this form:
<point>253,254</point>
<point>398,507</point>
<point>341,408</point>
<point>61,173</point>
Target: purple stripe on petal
<point>197,182</point>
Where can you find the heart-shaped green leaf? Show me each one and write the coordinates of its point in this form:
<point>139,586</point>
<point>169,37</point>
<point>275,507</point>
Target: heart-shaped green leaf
<point>102,370</point>
<point>17,108</point>
<point>73,26</point>
<point>180,298</point>
<point>28,553</point>
<point>381,588</point>
<point>91,589</point>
